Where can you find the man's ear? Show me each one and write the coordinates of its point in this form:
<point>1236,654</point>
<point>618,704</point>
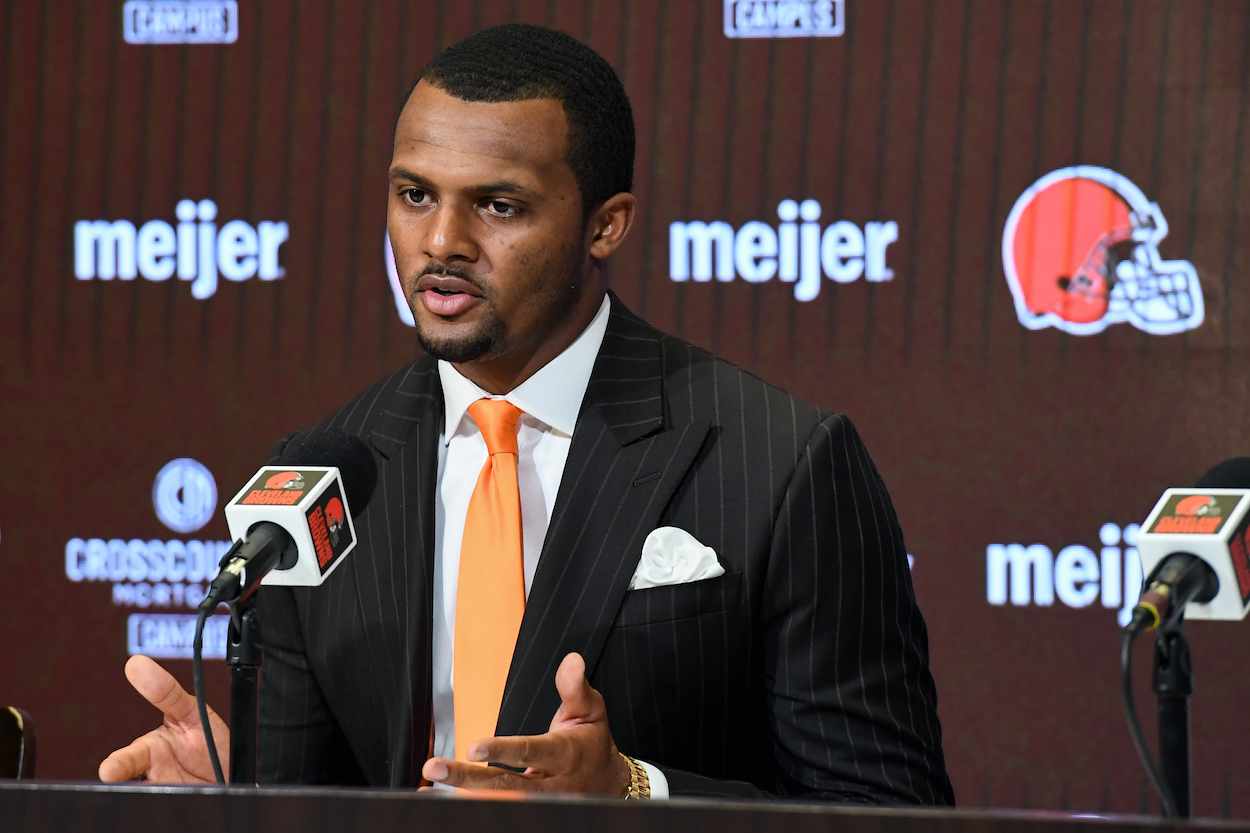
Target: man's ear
<point>609,224</point>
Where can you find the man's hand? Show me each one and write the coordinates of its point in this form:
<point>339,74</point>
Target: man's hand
<point>176,752</point>
<point>576,755</point>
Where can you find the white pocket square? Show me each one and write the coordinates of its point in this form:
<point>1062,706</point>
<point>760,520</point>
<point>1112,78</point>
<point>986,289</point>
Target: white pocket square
<point>674,556</point>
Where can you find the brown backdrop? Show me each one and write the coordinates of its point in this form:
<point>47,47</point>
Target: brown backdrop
<point>934,114</point>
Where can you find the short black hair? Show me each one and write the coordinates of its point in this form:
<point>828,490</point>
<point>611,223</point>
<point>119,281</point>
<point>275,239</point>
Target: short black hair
<point>520,62</point>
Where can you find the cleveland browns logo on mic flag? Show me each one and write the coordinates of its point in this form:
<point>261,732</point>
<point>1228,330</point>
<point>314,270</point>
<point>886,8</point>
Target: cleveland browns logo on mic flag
<point>280,487</point>
<point>286,480</point>
<point>1194,514</point>
<point>1198,505</point>
<point>335,517</point>
<point>1080,250</point>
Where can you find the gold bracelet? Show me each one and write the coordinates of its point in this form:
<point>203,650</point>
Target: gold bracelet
<point>639,784</point>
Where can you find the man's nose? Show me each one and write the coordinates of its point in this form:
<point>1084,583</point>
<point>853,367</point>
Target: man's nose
<point>449,235</point>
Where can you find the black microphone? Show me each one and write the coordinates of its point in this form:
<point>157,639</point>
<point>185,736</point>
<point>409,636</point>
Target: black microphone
<point>1180,578</point>
<point>1233,473</point>
<point>1195,549</point>
<point>291,523</point>
<point>291,526</point>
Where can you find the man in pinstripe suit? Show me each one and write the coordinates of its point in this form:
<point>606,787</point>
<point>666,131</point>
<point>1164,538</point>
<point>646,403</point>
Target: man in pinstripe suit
<point>798,669</point>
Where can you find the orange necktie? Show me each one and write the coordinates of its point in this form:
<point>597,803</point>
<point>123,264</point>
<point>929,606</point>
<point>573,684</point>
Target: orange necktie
<point>490,593</point>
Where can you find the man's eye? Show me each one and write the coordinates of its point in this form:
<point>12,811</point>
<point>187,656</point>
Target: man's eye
<point>503,209</point>
<point>415,196</point>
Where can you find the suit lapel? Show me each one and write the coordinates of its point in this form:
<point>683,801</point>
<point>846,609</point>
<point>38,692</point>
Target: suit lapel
<point>395,586</point>
<point>623,466</point>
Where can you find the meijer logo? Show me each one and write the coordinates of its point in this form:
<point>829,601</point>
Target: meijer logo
<point>193,21</point>
<point>793,252</point>
<point>197,251</point>
<point>1077,575</point>
<point>784,18</point>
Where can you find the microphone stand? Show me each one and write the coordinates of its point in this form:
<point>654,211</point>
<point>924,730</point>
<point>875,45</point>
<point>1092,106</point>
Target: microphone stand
<point>1173,684</point>
<point>244,653</point>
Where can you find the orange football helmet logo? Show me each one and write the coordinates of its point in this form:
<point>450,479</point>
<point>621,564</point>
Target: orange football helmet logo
<point>1080,250</point>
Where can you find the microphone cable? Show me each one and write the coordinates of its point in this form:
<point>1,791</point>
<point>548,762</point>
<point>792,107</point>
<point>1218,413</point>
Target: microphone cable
<point>197,671</point>
<point>1134,725</point>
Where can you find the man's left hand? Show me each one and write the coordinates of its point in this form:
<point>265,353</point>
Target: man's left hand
<point>576,755</point>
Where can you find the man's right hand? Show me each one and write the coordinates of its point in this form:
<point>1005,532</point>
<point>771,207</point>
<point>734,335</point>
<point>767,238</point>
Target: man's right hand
<point>176,752</point>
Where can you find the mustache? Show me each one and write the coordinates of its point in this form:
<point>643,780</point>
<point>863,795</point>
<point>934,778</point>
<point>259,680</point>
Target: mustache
<point>453,270</point>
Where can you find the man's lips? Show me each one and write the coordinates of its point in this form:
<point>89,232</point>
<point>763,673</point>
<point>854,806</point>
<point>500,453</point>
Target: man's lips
<point>446,284</point>
<point>446,295</point>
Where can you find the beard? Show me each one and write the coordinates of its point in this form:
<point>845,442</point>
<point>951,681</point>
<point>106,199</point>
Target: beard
<point>489,337</point>
<point>481,343</point>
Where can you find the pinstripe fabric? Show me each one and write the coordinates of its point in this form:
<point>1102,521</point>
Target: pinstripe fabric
<point>803,671</point>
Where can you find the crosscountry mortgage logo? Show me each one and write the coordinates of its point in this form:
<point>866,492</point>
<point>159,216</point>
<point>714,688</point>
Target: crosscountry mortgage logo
<point>185,495</point>
<point>784,18</point>
<point>1080,251</point>
<point>156,573</point>
<point>197,21</point>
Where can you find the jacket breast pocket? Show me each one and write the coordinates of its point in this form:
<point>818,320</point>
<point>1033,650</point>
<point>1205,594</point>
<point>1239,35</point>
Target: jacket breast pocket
<point>680,601</point>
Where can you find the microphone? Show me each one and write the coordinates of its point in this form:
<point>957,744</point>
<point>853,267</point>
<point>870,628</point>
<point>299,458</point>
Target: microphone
<point>291,526</point>
<point>291,522</point>
<point>1179,579</point>
<point>1195,552</point>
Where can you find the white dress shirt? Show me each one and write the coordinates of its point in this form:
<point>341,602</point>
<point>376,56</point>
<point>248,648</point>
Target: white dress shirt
<point>551,400</point>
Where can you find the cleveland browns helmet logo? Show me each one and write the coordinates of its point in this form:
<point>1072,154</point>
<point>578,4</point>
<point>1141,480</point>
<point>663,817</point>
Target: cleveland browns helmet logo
<point>1080,250</point>
<point>1198,505</point>
<point>292,480</point>
<point>335,518</point>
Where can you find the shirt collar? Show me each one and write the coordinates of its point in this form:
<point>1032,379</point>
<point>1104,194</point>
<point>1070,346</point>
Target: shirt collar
<point>553,395</point>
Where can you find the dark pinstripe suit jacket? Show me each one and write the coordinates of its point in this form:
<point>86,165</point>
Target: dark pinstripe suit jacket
<point>803,671</point>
